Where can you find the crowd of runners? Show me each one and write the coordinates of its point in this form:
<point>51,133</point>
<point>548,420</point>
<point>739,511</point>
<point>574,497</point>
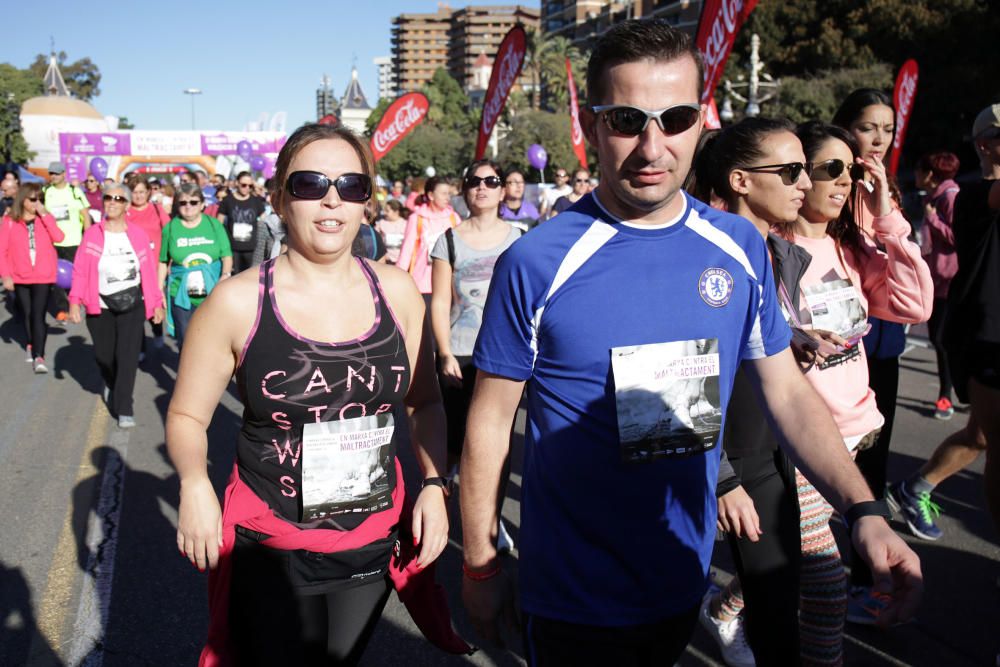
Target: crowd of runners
<point>705,338</point>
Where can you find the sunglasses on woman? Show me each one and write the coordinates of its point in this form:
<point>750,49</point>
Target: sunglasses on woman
<point>830,170</point>
<point>492,182</point>
<point>632,121</point>
<point>115,198</point>
<point>189,202</point>
<point>789,171</point>
<point>314,185</point>
<point>31,199</point>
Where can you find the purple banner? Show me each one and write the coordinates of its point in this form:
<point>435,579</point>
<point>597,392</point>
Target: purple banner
<point>87,143</point>
<point>224,143</point>
<point>76,167</point>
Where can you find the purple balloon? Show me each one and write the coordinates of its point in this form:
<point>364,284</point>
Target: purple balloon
<point>257,163</point>
<point>537,156</point>
<point>99,168</point>
<point>244,149</point>
<point>269,169</point>
<point>64,269</point>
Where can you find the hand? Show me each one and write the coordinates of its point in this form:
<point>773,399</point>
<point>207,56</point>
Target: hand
<point>812,346</point>
<point>74,313</point>
<point>879,199</point>
<point>895,568</point>
<point>8,283</point>
<point>738,516</point>
<point>490,606</point>
<point>40,209</point>
<point>450,370</point>
<point>929,210</point>
<point>158,315</point>
<point>430,524</point>
<point>199,524</point>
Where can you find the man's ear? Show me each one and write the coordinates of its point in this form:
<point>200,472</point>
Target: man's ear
<point>588,123</point>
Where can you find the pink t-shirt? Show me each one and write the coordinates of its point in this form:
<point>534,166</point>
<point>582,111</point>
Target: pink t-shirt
<point>392,232</point>
<point>152,219</point>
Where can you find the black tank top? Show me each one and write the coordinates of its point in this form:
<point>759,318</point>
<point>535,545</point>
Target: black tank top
<point>287,382</point>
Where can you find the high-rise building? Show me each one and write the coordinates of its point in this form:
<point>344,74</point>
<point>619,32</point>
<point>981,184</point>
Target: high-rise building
<point>581,21</point>
<point>326,102</point>
<point>453,40</point>
<point>386,78</point>
<point>419,47</point>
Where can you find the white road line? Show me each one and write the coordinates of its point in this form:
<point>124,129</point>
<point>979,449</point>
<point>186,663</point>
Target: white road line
<point>87,648</point>
<point>871,649</point>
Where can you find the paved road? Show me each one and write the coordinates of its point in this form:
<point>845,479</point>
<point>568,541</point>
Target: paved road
<point>89,572</point>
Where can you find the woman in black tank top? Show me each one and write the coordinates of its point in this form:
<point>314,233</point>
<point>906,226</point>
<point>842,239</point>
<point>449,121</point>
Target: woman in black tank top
<point>335,372</point>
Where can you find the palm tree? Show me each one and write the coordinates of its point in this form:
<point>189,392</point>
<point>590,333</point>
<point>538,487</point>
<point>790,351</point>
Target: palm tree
<point>552,64</point>
<point>533,46</point>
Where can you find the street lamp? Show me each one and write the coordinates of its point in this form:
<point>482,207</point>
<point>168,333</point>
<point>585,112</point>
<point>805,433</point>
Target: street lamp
<point>192,92</point>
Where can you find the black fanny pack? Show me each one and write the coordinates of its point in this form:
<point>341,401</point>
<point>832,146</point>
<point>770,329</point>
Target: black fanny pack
<point>123,301</point>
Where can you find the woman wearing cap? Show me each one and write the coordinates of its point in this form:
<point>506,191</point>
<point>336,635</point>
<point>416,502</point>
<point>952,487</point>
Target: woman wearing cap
<point>334,364</point>
<point>114,279</point>
<point>28,264</point>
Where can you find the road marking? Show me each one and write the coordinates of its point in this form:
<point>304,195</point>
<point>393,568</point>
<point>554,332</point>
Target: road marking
<point>871,649</point>
<point>55,603</point>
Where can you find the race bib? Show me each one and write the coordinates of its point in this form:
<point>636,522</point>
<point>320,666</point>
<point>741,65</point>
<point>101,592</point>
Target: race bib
<point>196,284</point>
<point>242,231</point>
<point>346,466</point>
<point>667,398</point>
<point>60,213</point>
<point>835,306</point>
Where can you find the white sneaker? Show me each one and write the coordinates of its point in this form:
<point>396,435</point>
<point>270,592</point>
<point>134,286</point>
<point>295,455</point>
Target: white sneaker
<point>728,635</point>
<point>126,421</point>
<point>504,541</point>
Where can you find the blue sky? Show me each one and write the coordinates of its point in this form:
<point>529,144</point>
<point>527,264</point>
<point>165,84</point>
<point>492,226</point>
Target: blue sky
<point>248,57</point>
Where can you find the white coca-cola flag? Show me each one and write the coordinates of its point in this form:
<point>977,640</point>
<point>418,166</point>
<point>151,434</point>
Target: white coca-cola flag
<point>399,119</point>
<point>506,67</point>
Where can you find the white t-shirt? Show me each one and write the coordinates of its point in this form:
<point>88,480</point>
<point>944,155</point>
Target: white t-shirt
<point>118,268</point>
<point>550,196</point>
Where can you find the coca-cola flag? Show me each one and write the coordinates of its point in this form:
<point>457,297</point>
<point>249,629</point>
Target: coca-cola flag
<point>712,121</point>
<point>720,21</point>
<point>506,66</point>
<point>576,132</point>
<point>398,120</point>
<point>902,97</point>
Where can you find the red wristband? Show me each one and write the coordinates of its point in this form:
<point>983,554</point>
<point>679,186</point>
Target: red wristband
<point>480,575</point>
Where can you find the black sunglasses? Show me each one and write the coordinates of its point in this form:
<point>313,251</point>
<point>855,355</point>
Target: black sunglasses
<point>830,170</point>
<point>581,180</point>
<point>789,171</point>
<point>314,185</point>
<point>189,202</point>
<point>118,198</point>
<point>632,121</point>
<point>245,185</point>
<point>31,198</point>
<point>492,182</point>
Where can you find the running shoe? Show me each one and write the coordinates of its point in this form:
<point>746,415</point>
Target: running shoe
<point>918,510</point>
<point>62,316</point>
<point>30,358</point>
<point>126,421</point>
<point>40,367</point>
<point>943,409</point>
<point>728,635</point>
<point>864,605</point>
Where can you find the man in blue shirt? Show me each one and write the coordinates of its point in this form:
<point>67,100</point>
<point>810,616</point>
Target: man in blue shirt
<point>626,318</point>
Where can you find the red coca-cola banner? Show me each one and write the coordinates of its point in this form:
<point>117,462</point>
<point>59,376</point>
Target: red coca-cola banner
<point>398,120</point>
<point>506,66</point>
<point>576,132</point>
<point>720,21</point>
<point>712,121</point>
<point>902,97</point>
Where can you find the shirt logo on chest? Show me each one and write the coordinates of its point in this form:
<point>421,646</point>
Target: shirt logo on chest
<point>715,287</point>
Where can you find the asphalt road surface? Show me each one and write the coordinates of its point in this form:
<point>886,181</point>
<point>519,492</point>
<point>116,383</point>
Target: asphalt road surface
<point>90,574</point>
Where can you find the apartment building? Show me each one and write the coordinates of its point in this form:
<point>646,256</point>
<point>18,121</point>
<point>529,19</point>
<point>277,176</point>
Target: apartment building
<point>581,21</point>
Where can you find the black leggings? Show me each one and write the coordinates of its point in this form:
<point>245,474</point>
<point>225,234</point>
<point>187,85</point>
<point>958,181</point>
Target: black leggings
<point>242,260</point>
<point>33,301</point>
<point>117,341</point>
<point>769,569</point>
<point>456,406</point>
<point>61,296</point>
<point>273,624</point>
<point>883,378</point>
<point>935,330</point>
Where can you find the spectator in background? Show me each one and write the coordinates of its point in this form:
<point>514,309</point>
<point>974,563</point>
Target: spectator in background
<point>70,208</point>
<point>550,196</point>
<point>935,173</point>
<point>426,223</point>
<point>457,200</point>
<point>581,186</point>
<point>514,209</point>
<point>397,192</point>
<point>392,226</point>
<point>8,190</point>
<point>92,191</point>
<point>240,214</point>
<point>151,218</point>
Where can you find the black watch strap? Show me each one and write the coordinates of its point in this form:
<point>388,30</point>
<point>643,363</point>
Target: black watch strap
<point>866,508</point>
<point>443,482</point>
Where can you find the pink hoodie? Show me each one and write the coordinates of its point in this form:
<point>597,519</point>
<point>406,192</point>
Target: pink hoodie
<point>15,260</point>
<point>88,256</point>
<point>939,239</point>
<point>894,285</point>
<point>422,231</point>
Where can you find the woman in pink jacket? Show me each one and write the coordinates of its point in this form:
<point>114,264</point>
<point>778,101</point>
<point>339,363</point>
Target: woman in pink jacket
<point>426,223</point>
<point>848,279</point>
<point>114,279</point>
<point>28,264</point>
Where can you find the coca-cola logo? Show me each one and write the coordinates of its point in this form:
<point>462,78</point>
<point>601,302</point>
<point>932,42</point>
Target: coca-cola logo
<point>401,117</point>
<point>716,37</point>
<point>510,67</point>
<point>904,103</point>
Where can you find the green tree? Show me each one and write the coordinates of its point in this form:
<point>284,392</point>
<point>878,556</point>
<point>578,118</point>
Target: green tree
<point>16,85</point>
<point>82,76</point>
<point>551,130</point>
<point>555,87</point>
<point>124,123</point>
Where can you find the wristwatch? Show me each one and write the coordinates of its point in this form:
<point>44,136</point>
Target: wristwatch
<point>866,508</point>
<point>442,482</point>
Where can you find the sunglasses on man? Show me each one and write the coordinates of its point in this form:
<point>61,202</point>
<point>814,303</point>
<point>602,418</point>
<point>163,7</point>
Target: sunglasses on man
<point>632,121</point>
<point>314,185</point>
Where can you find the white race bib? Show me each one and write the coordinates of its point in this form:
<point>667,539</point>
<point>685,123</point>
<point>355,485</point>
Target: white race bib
<point>242,231</point>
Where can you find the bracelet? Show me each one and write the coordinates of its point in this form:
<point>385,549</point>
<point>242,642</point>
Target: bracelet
<point>480,576</point>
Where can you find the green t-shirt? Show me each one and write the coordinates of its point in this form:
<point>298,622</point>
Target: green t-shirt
<point>65,205</point>
<point>204,244</point>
